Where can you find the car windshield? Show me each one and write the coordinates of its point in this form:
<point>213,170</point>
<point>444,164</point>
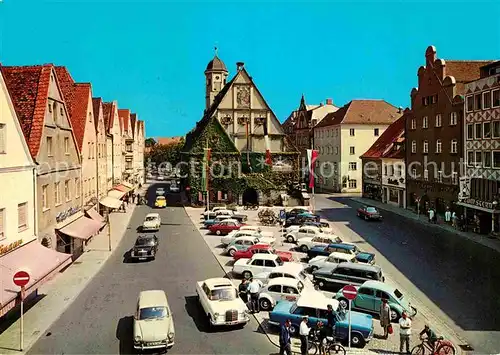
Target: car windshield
<point>325,225</point>
<point>398,294</point>
<point>160,189</point>
<point>149,219</point>
<point>145,242</point>
<point>300,286</point>
<point>160,198</point>
<point>226,294</point>
<point>153,313</point>
<point>302,275</point>
<point>371,209</point>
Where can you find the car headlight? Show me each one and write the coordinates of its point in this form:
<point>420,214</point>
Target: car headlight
<point>137,338</point>
<point>171,336</point>
<point>216,315</point>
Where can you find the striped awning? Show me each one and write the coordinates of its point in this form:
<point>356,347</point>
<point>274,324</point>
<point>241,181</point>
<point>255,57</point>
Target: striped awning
<point>116,194</point>
<point>110,202</point>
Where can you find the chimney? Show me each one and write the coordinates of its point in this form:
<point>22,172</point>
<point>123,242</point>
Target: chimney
<point>329,101</point>
<point>400,110</point>
<point>239,65</point>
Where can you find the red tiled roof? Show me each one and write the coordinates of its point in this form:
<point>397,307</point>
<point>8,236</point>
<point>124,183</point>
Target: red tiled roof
<point>464,70</point>
<point>133,120</point>
<point>81,94</point>
<point>362,112</point>
<point>66,84</point>
<point>167,140</point>
<point>28,88</point>
<point>96,107</point>
<point>393,134</point>
<point>124,115</point>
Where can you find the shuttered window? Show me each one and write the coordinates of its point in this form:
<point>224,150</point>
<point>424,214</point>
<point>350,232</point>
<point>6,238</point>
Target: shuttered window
<point>22,216</point>
<point>2,226</point>
<point>3,137</point>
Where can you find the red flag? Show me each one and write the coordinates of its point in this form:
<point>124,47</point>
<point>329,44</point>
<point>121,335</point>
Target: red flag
<point>312,155</point>
<point>269,159</point>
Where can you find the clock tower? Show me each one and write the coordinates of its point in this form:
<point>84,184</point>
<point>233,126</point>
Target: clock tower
<point>216,75</point>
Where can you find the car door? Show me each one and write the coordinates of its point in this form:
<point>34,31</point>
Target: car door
<point>247,244</point>
<point>340,277</point>
<point>379,295</point>
<point>275,291</point>
<point>238,244</point>
<point>365,299</point>
<point>290,293</point>
<point>269,265</point>
<point>257,266</point>
<point>302,233</point>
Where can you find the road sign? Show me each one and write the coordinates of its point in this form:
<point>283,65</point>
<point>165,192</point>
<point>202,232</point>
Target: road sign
<point>282,214</point>
<point>21,278</point>
<point>349,292</point>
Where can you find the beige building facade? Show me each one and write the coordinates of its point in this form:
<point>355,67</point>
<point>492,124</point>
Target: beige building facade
<point>101,147</point>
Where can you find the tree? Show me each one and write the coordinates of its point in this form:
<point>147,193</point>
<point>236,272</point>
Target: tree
<point>150,142</point>
<point>162,154</point>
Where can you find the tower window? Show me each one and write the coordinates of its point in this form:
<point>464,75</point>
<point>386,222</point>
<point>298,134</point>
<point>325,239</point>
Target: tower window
<point>217,77</point>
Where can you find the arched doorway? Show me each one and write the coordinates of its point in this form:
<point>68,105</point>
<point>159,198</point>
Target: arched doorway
<point>250,196</point>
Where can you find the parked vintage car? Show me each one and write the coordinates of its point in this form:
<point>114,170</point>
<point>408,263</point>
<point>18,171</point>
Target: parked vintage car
<point>295,211</point>
<point>227,239</point>
<point>314,305</point>
<point>369,213</point>
<point>174,188</point>
<point>160,191</point>
<point>161,202</point>
<point>145,247</point>
<point>330,261</point>
<point>346,274</point>
<point>240,244</point>
<point>347,248</point>
<point>221,303</point>
<point>257,264</point>
<point>152,222</point>
<point>225,227</point>
<point>153,322</point>
<point>304,232</point>
<point>323,225</point>
<point>218,219</point>
<point>214,209</point>
<point>261,248</point>
<point>280,289</point>
<point>226,212</point>
<point>319,240</point>
<point>369,299</point>
<point>256,229</point>
<point>290,270</point>
<point>301,219</point>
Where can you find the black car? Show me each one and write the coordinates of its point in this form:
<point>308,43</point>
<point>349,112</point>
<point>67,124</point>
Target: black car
<point>347,273</point>
<point>294,212</point>
<point>145,247</point>
<point>362,257</point>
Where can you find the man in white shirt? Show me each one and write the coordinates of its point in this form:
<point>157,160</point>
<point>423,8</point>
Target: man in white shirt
<point>404,332</point>
<point>304,333</point>
<point>254,290</point>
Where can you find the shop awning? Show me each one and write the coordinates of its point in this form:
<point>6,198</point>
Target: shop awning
<point>40,262</point>
<point>126,184</point>
<point>475,207</point>
<point>94,215</point>
<point>116,194</point>
<point>122,188</point>
<point>83,228</point>
<point>110,202</point>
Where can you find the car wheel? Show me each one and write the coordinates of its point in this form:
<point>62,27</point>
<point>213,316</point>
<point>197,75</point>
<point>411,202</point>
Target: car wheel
<point>290,239</point>
<point>394,315</point>
<point>218,232</point>
<point>231,252</point>
<point>247,275</point>
<point>265,304</point>
<point>321,284</point>
<point>293,330</point>
<point>357,340</point>
<point>304,248</point>
<point>343,303</point>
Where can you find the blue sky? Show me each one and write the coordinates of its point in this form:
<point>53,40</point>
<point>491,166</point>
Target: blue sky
<point>150,56</point>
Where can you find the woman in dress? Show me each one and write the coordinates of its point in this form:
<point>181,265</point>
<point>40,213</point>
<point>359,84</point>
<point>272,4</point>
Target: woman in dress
<point>385,317</point>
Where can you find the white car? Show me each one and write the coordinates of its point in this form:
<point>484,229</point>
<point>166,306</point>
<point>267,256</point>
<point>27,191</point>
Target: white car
<point>256,229</point>
<point>215,209</point>
<point>160,178</point>
<point>153,322</point>
<point>279,289</point>
<point>160,191</point>
<point>221,303</point>
<point>331,260</point>
<point>303,232</point>
<point>257,264</point>
<point>227,239</point>
<point>242,243</point>
<point>174,188</point>
<point>306,243</point>
<point>288,270</point>
<point>152,222</point>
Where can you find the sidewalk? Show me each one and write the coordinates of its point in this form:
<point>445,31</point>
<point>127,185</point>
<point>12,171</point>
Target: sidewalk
<point>62,290</point>
<point>477,238</point>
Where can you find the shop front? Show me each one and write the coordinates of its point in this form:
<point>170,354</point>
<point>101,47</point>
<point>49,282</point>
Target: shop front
<point>482,216</point>
<point>40,262</point>
<point>372,189</point>
<point>394,192</point>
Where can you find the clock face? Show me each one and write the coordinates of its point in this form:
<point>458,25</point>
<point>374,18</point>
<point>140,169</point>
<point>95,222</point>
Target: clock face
<point>217,77</point>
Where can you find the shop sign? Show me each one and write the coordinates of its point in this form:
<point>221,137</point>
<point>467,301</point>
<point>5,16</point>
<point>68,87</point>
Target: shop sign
<point>393,182</point>
<point>479,203</point>
<point>6,248</point>
<point>61,216</point>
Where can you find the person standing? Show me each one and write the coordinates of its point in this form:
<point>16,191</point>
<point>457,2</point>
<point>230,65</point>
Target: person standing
<point>304,333</point>
<point>454,220</point>
<point>404,333</point>
<point>254,290</point>
<point>321,334</point>
<point>243,290</point>
<point>385,317</point>
<point>285,339</point>
<point>431,215</point>
<point>447,215</point>
<point>330,317</point>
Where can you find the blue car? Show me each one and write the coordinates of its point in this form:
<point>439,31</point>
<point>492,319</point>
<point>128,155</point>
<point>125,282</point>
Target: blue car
<point>218,219</point>
<point>314,305</point>
<point>362,257</point>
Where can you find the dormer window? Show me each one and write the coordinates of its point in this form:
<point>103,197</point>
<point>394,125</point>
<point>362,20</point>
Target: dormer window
<point>62,111</point>
<point>90,117</point>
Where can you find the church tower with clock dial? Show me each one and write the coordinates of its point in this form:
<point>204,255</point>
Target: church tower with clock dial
<point>216,75</point>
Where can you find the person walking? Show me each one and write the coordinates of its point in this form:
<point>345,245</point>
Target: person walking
<point>404,332</point>
<point>330,317</point>
<point>321,334</point>
<point>304,334</point>
<point>454,220</point>
<point>385,317</point>
<point>431,215</point>
<point>285,338</point>
<point>254,290</point>
<point>243,291</point>
<point>447,215</point>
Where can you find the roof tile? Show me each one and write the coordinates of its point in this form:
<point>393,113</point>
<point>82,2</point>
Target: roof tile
<point>384,145</point>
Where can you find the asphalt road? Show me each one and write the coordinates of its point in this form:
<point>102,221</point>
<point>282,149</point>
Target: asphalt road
<point>100,319</point>
<point>459,276</point>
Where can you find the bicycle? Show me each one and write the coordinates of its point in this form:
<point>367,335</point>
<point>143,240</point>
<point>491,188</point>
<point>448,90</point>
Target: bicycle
<point>330,345</point>
<point>441,347</point>
<point>251,207</point>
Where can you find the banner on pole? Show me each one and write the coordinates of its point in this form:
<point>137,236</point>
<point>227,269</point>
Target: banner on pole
<point>312,155</point>
<point>204,169</point>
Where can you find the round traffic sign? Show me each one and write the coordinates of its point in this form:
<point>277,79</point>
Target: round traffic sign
<point>350,292</point>
<point>21,278</point>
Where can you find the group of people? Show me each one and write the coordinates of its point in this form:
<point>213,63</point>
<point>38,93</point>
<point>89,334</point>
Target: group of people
<point>249,291</point>
<point>404,328</point>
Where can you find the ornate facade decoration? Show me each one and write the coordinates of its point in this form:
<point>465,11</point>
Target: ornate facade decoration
<point>227,119</point>
<point>260,121</point>
<point>243,119</point>
<point>243,96</point>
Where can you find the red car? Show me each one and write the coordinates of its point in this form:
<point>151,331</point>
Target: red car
<point>225,227</point>
<point>369,213</point>
<point>262,249</point>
